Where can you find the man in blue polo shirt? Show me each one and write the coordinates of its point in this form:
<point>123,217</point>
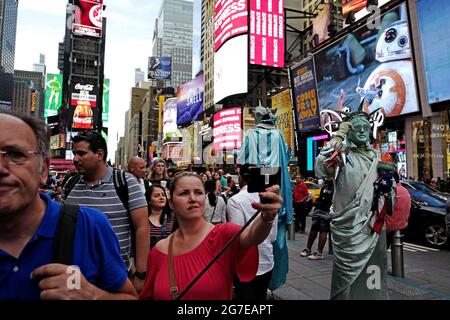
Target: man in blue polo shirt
<point>28,223</point>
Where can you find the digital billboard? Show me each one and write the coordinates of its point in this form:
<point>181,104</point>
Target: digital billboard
<point>159,68</point>
<point>353,5</point>
<point>282,103</point>
<point>231,68</point>
<point>227,129</point>
<point>374,64</point>
<point>105,112</point>
<point>190,100</point>
<point>267,33</point>
<point>304,94</point>
<point>170,128</point>
<point>53,94</point>
<point>321,23</point>
<point>434,23</point>
<point>230,19</point>
<point>83,97</point>
<point>88,18</point>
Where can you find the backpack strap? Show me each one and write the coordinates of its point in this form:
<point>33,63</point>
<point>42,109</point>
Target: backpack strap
<point>70,183</point>
<point>120,183</point>
<point>65,234</point>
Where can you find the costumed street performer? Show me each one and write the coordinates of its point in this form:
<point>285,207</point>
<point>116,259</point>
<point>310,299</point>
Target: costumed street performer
<point>364,194</point>
<point>264,146</point>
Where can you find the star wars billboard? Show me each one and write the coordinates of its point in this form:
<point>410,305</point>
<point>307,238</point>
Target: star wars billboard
<point>371,63</point>
<point>87,18</point>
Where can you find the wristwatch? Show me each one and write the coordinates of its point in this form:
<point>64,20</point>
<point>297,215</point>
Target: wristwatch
<point>140,275</point>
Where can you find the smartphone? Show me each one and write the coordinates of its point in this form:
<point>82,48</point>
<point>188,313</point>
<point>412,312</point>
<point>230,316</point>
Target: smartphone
<point>263,177</point>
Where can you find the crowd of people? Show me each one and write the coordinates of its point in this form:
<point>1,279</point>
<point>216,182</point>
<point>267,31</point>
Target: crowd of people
<point>130,234</point>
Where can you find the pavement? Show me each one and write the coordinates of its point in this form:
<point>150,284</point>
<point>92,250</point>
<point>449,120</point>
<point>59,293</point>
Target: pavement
<point>427,276</point>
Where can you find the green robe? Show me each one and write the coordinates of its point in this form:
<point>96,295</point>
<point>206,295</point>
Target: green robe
<point>360,262</point>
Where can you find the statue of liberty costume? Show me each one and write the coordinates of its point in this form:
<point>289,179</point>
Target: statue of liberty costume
<point>360,261</point>
<point>264,145</point>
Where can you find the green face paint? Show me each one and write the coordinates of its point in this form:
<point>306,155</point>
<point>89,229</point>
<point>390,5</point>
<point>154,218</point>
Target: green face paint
<point>359,134</point>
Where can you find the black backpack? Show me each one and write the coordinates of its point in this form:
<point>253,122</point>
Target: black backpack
<point>65,234</point>
<point>120,184</point>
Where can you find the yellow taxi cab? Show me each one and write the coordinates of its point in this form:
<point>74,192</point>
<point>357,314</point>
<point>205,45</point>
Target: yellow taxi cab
<point>314,189</point>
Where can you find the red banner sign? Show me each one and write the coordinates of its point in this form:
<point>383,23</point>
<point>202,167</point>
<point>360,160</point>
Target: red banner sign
<point>227,129</point>
<point>230,19</point>
<point>267,33</point>
<point>88,18</point>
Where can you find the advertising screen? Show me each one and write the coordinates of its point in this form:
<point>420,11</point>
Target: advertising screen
<point>105,112</point>
<point>159,68</point>
<point>321,22</point>
<point>190,100</point>
<point>170,119</point>
<point>282,103</point>
<point>434,23</point>
<point>230,19</point>
<point>88,18</point>
<point>267,32</point>
<point>53,94</point>
<point>374,64</point>
<point>231,68</point>
<point>83,97</point>
<point>304,93</point>
<point>227,129</point>
<point>353,5</point>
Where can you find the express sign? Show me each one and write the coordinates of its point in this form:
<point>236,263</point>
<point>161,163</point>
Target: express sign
<point>227,129</point>
<point>230,19</point>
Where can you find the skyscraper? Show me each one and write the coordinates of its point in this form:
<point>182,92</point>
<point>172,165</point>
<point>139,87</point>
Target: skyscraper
<point>173,37</point>
<point>8,26</point>
<point>139,75</point>
<point>38,84</point>
<point>40,67</point>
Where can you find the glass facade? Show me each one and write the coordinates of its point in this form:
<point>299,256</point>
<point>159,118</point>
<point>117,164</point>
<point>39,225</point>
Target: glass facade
<point>8,25</point>
<point>173,37</point>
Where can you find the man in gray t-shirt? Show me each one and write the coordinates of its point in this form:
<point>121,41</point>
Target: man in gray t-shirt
<point>96,190</point>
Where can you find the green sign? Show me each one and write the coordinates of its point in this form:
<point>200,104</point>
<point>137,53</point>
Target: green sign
<point>53,94</point>
<point>105,113</point>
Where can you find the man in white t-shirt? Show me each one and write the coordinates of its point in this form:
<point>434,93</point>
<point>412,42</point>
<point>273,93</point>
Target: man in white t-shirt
<point>239,211</point>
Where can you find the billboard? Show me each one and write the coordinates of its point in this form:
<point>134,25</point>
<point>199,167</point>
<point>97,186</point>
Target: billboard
<point>159,68</point>
<point>374,64</point>
<point>304,94</point>
<point>282,103</point>
<point>434,19</point>
<point>267,33</point>
<point>105,112</point>
<point>353,5</point>
<point>83,96</point>
<point>230,19</point>
<point>170,128</point>
<point>321,23</point>
<point>227,129</point>
<point>190,100</point>
<point>88,18</point>
<point>53,94</point>
<point>231,68</point>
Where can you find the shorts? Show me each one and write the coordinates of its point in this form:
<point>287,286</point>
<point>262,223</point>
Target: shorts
<point>320,224</point>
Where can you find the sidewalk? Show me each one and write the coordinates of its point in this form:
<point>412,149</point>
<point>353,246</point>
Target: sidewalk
<point>311,280</point>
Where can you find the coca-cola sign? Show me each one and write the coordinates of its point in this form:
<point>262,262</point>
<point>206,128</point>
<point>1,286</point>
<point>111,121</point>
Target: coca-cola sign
<point>88,18</point>
<point>84,87</point>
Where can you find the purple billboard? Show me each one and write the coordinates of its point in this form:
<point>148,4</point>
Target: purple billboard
<point>190,100</point>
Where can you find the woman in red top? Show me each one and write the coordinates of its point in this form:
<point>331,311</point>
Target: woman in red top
<point>196,242</point>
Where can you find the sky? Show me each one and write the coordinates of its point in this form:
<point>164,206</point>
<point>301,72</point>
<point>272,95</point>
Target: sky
<point>129,33</point>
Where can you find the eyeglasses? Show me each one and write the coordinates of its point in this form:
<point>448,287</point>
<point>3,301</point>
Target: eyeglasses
<point>17,156</point>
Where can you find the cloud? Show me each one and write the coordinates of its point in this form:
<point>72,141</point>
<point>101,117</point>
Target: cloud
<point>47,7</point>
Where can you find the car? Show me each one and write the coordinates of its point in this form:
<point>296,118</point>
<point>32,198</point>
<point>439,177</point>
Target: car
<point>427,219</point>
<point>314,190</point>
<point>415,185</point>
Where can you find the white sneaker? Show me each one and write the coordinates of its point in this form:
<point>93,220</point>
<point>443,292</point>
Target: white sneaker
<point>316,256</point>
